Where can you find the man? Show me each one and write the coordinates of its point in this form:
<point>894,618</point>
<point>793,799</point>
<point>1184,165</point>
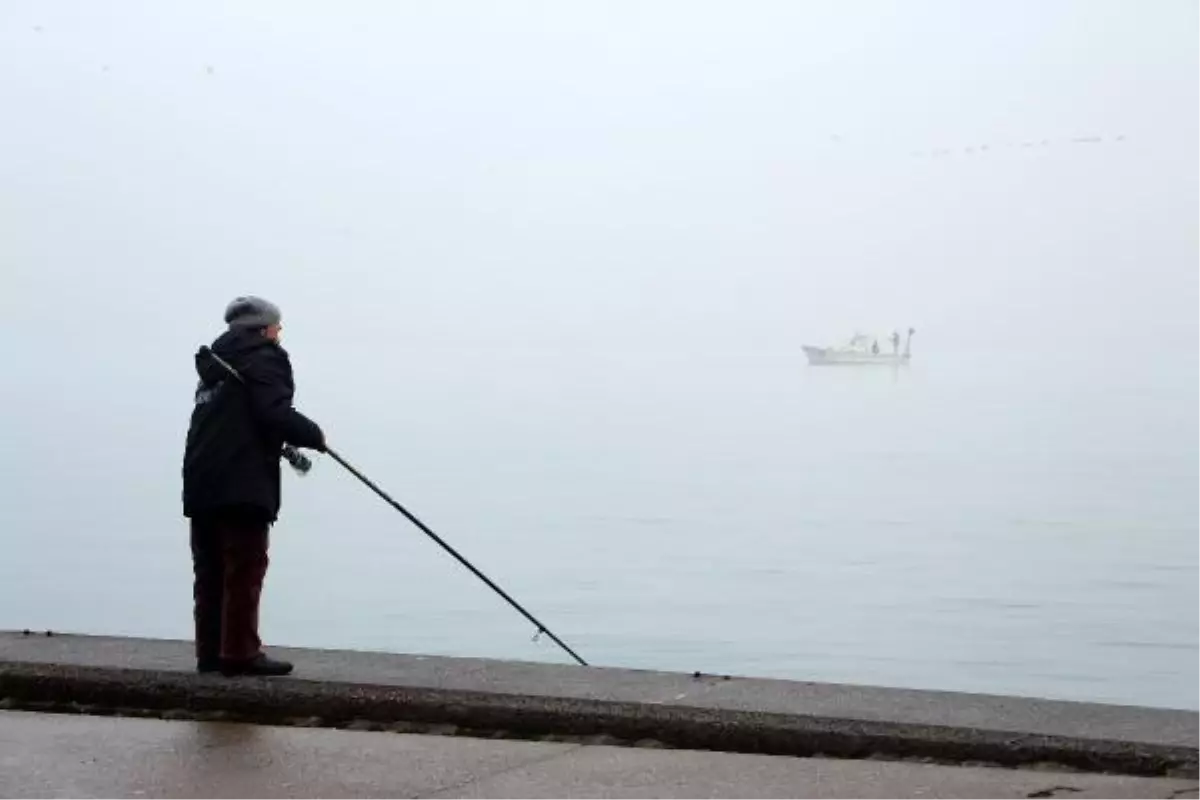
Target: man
<point>231,482</point>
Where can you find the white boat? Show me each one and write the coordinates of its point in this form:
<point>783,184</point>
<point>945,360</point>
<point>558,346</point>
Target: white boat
<point>862,350</point>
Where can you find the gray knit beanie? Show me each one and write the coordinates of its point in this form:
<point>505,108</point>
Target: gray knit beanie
<point>252,312</point>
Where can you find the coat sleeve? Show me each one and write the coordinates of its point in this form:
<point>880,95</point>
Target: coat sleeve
<point>269,381</point>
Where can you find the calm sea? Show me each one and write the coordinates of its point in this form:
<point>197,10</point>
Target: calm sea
<point>989,522</point>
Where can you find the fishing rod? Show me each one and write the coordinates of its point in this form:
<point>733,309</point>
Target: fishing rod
<point>413,519</point>
<point>446,546</point>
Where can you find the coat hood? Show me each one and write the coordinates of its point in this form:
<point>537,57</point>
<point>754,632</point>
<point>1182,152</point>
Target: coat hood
<point>235,347</point>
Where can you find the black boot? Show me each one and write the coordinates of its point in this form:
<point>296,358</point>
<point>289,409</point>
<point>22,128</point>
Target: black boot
<point>207,665</point>
<point>259,665</point>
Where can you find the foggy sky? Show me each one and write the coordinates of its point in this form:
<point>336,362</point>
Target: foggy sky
<point>664,175</point>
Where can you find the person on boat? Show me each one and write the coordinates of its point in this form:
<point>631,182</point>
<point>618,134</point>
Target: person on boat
<point>875,348</point>
<point>895,342</point>
<point>231,482</point>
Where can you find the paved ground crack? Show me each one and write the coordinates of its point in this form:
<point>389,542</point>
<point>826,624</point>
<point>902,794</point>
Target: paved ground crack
<point>1053,791</point>
<point>455,789</point>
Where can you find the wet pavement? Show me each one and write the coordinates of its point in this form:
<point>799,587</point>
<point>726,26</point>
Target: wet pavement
<point>44,755</point>
<point>525,700</point>
<point>716,693</point>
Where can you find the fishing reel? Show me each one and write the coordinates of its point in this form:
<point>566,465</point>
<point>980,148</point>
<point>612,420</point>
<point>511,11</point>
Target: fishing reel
<point>298,461</point>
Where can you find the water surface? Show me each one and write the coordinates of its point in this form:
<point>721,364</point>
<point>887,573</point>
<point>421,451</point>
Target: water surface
<point>979,521</point>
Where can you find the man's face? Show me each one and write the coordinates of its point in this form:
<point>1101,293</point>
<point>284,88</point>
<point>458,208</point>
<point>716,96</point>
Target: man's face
<point>273,332</point>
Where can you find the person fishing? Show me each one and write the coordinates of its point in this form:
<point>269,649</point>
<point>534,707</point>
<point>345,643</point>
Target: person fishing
<point>231,482</point>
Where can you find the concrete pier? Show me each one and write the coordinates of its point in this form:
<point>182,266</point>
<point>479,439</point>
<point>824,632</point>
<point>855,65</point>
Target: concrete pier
<point>575,705</point>
<point>49,755</point>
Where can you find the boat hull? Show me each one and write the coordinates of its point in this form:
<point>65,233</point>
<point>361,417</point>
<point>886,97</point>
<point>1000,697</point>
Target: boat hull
<point>828,356</point>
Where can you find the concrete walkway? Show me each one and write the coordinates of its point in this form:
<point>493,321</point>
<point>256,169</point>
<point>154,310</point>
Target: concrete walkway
<point>79,756</point>
<point>524,700</point>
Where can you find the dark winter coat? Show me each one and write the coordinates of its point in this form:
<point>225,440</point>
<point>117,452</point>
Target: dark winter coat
<point>238,430</point>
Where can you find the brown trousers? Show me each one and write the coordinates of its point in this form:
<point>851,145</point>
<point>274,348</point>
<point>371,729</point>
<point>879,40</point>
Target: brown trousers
<point>229,559</point>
